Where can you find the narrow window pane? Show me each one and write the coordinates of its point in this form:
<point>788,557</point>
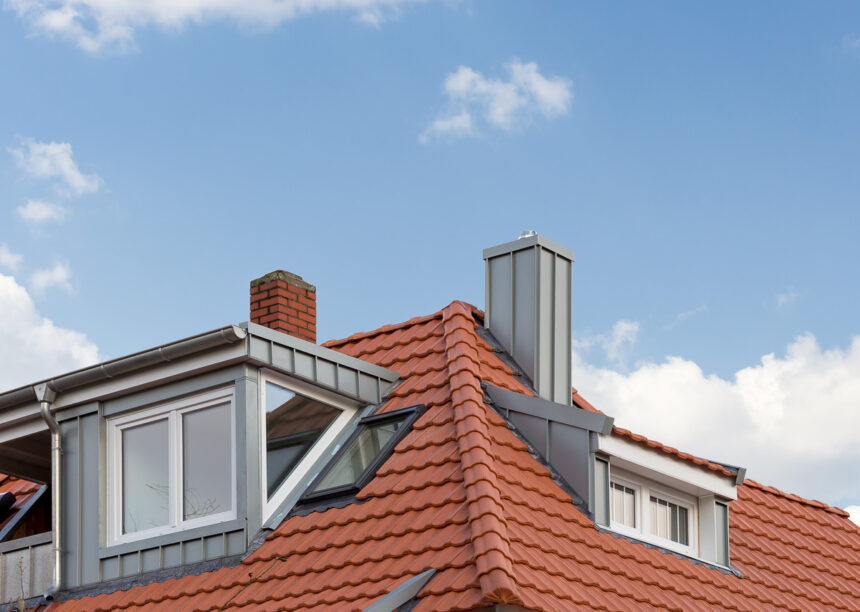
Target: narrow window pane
<point>683,522</point>
<point>293,424</point>
<point>601,492</point>
<point>207,459</point>
<point>623,502</point>
<point>359,455</point>
<point>145,476</point>
<point>722,520</point>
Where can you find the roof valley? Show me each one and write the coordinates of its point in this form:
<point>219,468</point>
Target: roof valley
<point>486,516</point>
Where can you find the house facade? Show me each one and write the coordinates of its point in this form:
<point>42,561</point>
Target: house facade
<point>442,463</point>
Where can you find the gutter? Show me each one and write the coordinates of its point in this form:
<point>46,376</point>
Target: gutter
<point>46,396</point>
<point>138,361</point>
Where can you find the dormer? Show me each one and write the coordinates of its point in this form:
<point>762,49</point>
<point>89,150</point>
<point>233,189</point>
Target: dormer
<point>632,487</point>
<point>182,455</point>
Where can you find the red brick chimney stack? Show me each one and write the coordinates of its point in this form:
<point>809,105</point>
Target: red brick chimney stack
<point>285,302</point>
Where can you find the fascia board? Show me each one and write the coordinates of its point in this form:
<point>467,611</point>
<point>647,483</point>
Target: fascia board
<point>663,468</point>
<point>26,419</point>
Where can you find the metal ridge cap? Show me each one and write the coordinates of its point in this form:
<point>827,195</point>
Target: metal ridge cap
<point>523,243</point>
<point>163,353</point>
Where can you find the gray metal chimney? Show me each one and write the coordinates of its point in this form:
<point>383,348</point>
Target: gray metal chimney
<point>528,309</point>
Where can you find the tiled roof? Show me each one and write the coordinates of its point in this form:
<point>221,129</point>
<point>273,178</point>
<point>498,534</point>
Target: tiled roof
<point>462,495</point>
<point>23,491</point>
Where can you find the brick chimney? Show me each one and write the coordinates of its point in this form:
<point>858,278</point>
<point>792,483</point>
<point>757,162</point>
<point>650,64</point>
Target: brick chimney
<point>285,302</point>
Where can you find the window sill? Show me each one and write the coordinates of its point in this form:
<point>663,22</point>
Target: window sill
<point>174,537</point>
<point>637,539</point>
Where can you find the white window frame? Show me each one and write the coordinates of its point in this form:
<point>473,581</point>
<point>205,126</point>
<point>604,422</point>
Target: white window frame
<point>644,489</point>
<point>172,412</point>
<point>348,410</point>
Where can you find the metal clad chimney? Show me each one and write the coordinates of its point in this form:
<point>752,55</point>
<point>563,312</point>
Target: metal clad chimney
<point>528,310</point>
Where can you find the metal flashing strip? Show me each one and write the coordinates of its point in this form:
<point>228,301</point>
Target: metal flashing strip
<point>402,594</point>
<point>345,375</point>
<point>550,411</point>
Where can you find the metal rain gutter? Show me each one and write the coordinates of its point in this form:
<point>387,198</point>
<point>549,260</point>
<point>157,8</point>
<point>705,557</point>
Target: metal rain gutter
<point>46,396</point>
<point>124,365</point>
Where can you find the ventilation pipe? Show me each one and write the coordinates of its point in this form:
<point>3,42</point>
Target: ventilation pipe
<point>46,397</point>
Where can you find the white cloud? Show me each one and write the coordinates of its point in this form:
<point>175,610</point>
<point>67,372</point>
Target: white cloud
<point>792,421</point>
<point>54,160</point>
<point>502,104</point>
<point>58,275</point>
<point>851,44</point>
<point>8,259</point>
<point>854,511</point>
<point>31,346</point>
<point>455,125</point>
<point>37,211</point>
<point>616,345</point>
<point>98,25</point>
<point>787,297</point>
<point>681,317</point>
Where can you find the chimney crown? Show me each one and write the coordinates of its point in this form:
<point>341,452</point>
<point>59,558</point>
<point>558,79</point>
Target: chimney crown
<point>285,302</point>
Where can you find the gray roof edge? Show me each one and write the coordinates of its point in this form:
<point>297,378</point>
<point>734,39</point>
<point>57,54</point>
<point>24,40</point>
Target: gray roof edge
<point>525,243</point>
<point>261,331</point>
<point>401,594</point>
<point>164,353</point>
<point>539,407</point>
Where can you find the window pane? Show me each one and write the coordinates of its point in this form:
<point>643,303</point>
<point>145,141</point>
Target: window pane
<point>669,521</point>
<point>623,505</point>
<point>359,455</point>
<point>207,460</point>
<point>145,476</point>
<point>601,492</point>
<point>293,424</point>
<point>722,520</point>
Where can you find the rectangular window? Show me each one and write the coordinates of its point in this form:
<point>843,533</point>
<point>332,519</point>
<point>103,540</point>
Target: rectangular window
<point>171,467</point>
<point>669,521</point>
<point>601,491</point>
<point>722,532</point>
<point>623,505</point>
<point>641,508</point>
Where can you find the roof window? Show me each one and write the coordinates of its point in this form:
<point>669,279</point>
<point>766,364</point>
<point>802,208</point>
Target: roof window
<point>356,463</point>
<point>300,422</point>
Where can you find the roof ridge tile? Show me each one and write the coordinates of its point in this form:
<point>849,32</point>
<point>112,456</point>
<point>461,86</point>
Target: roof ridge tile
<point>492,554</point>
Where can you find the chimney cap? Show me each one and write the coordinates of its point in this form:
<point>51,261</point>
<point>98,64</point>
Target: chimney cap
<point>527,242</point>
<point>527,234</point>
<point>287,277</point>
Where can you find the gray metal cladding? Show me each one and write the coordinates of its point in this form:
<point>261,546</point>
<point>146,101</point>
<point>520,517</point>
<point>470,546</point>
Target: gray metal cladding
<point>528,303</point>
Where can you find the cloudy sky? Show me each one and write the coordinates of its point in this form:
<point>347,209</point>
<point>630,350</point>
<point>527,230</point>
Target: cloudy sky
<point>703,163</point>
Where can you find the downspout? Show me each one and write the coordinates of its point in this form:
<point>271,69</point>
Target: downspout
<point>46,396</point>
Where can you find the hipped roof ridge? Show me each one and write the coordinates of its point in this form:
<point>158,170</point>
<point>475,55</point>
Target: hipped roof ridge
<point>486,519</point>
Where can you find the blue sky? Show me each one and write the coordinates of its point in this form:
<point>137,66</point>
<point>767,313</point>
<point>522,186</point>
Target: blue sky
<point>702,162</point>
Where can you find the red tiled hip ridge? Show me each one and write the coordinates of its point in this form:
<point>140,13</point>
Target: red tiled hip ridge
<point>486,516</point>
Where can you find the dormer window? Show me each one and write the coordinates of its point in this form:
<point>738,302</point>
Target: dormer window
<point>648,495</point>
<point>171,467</point>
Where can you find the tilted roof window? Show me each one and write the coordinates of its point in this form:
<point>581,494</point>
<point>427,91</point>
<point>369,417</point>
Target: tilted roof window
<point>356,463</point>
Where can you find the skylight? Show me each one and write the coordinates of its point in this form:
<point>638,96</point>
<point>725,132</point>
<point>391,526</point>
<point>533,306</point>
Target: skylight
<point>363,454</point>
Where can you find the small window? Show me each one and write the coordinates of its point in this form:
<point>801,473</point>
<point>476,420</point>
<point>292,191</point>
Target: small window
<point>642,509</point>
<point>669,521</point>
<point>366,450</point>
<point>171,467</point>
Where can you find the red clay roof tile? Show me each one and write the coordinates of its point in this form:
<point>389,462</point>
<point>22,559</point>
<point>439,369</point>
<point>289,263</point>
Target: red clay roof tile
<point>461,494</point>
